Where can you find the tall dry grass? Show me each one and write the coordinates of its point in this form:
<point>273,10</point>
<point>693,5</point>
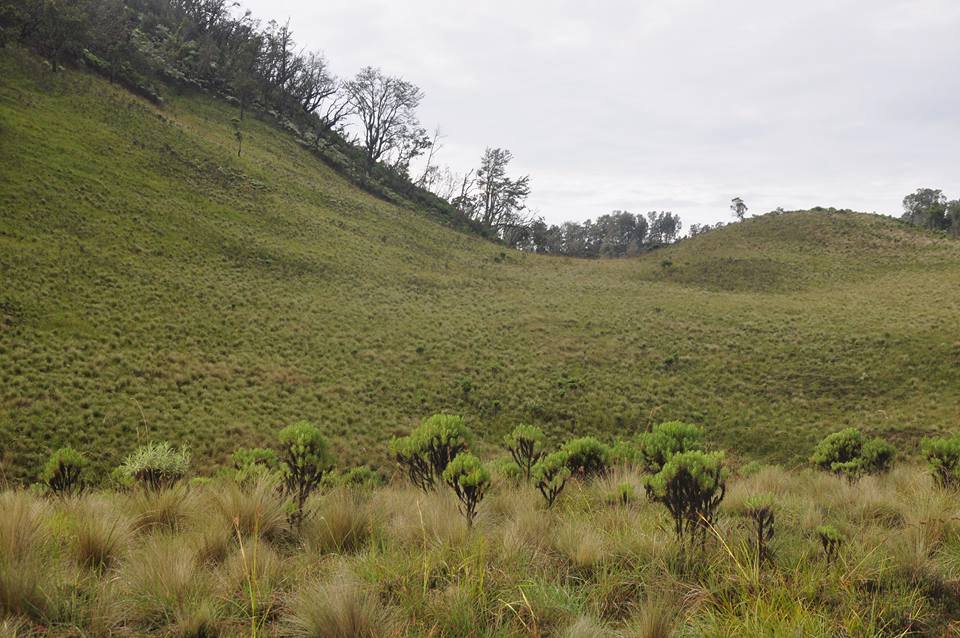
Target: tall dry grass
<point>221,560</point>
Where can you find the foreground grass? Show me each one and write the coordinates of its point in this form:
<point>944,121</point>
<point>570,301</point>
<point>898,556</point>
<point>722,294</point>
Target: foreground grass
<point>153,283</point>
<point>219,559</point>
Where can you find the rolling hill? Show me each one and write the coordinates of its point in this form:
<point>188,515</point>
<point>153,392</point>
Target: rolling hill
<point>155,285</point>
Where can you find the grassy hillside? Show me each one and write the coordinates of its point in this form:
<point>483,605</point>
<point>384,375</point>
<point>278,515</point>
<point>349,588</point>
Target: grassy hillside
<point>153,284</point>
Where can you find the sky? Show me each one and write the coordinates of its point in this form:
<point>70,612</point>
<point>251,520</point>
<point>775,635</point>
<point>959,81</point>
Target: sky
<point>675,105</point>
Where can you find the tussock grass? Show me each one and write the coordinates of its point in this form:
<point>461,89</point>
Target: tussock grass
<point>393,561</point>
<point>170,509</point>
<point>339,607</point>
<point>340,522</point>
<point>258,508</point>
<point>99,534</point>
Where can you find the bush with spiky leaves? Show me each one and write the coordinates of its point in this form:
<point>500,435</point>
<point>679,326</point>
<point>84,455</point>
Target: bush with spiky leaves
<point>156,465</point>
<point>526,444</point>
<point>425,453</point>
<point>690,485</point>
<point>850,454</point>
<point>943,457</point>
<point>667,439</point>
<point>470,481</point>
<point>587,457</point>
<point>63,471</point>
<point>304,458</point>
<point>550,475</point>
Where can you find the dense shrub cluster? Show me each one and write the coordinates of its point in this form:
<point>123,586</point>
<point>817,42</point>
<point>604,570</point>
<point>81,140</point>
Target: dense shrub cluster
<point>425,453</point>
<point>690,485</point>
<point>851,454</point>
<point>943,457</point>
<point>666,439</point>
<point>63,472</point>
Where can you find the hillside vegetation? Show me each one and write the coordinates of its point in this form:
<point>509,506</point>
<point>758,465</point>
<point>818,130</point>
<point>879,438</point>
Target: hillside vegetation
<point>153,285</point>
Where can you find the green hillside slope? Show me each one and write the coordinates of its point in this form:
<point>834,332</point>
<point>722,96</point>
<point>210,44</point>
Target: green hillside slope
<point>152,284</point>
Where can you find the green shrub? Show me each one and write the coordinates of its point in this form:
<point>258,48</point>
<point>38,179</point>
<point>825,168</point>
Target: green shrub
<point>625,494</point>
<point>250,464</point>
<point>625,454</point>
<point>850,454</point>
<point>943,457</point>
<point>470,480</point>
<point>156,465</point>
<point>759,509</point>
<point>427,451</point>
<point>362,476</point>
<point>63,471</point>
<point>505,468</point>
<point>526,444</point>
<point>665,440</point>
<point>690,485</point>
<point>587,457</point>
<point>830,541</point>
<point>550,475</point>
<point>304,458</point>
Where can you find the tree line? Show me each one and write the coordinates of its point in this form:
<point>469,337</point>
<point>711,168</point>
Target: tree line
<point>369,119</point>
<point>930,209</point>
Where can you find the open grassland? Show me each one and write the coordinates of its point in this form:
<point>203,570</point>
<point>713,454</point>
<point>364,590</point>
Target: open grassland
<point>219,559</point>
<point>155,285</point>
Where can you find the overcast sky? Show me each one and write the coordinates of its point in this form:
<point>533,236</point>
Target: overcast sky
<point>672,104</point>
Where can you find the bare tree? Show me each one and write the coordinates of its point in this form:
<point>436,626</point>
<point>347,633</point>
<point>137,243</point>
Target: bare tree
<point>499,200</point>
<point>386,108</point>
<point>280,65</point>
<point>431,172</point>
<point>738,207</point>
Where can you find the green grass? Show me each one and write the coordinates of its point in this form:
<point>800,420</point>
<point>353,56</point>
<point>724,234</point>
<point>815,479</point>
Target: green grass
<point>153,285</point>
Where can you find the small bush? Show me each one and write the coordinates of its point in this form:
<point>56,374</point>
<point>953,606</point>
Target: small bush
<point>665,440</point>
<point>550,475</point>
<point>759,509</point>
<point>427,451</point>
<point>625,454</point>
<point>362,476</point>
<point>526,444</point>
<point>470,481</point>
<point>305,457</point>
<point>850,454</point>
<point>250,464</point>
<point>830,541</point>
<point>943,457</point>
<point>690,485</point>
<point>63,471</point>
<point>587,457</point>
<point>156,465</point>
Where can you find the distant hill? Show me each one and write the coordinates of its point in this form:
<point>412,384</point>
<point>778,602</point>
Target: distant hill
<point>155,285</point>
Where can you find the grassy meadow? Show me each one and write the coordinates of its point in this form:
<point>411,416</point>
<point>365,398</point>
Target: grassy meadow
<point>219,559</point>
<point>155,286</point>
